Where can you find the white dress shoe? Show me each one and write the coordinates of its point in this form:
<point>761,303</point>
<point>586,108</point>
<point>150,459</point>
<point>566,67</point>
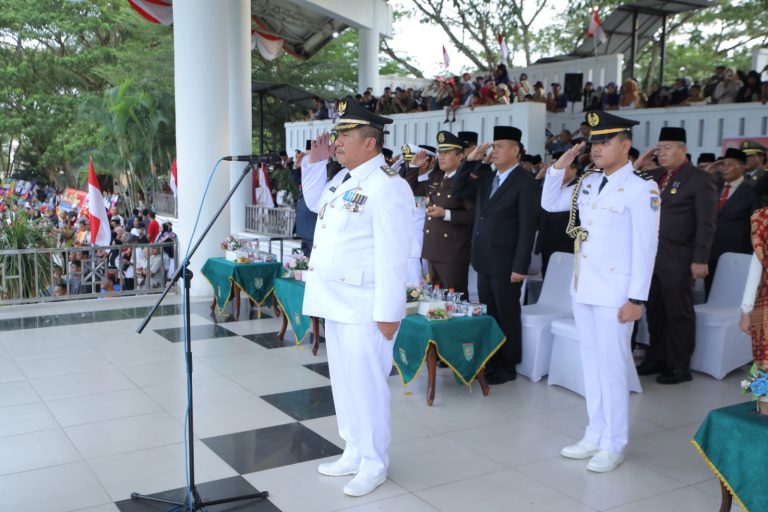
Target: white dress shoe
<point>605,461</point>
<point>363,484</point>
<point>339,467</point>
<point>581,450</point>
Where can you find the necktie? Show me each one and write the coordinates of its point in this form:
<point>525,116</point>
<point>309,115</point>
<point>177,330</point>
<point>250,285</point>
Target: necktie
<point>724,196</point>
<point>602,184</point>
<point>495,185</point>
<point>346,177</point>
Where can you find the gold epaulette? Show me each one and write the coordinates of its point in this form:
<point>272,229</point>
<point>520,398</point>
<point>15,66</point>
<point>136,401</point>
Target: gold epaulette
<point>388,171</point>
<point>642,174</point>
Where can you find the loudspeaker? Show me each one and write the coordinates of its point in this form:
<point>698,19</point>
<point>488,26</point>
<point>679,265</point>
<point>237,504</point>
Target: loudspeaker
<point>573,86</point>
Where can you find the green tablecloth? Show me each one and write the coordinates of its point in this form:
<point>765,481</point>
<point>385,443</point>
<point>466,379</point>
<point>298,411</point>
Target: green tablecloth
<point>464,343</point>
<point>256,280</point>
<point>734,442</point>
<point>290,295</point>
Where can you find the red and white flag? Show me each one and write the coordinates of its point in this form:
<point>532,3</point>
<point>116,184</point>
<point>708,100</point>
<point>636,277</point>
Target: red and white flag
<point>595,29</point>
<point>261,192</point>
<point>270,46</point>
<point>156,11</point>
<point>97,212</point>
<point>446,59</point>
<point>174,180</point>
<point>504,49</point>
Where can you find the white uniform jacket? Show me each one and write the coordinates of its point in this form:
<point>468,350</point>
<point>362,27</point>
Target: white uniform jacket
<point>616,261</point>
<point>359,264</point>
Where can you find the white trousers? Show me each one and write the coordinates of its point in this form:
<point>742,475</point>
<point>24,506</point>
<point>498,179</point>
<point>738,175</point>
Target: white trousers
<point>359,361</point>
<point>605,346</point>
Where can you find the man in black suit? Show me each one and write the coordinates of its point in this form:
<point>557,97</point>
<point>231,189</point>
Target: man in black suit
<point>506,219</point>
<point>737,201</point>
<point>686,230</point>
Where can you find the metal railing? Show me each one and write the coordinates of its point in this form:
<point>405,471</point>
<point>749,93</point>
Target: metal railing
<point>273,222</point>
<point>44,275</point>
<point>164,204</point>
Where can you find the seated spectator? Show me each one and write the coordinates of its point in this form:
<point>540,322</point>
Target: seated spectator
<point>556,100</point>
<point>385,105</point>
<point>559,144</point>
<point>590,100</point>
<point>711,83</point>
<point>488,93</point>
<point>503,94</point>
<point>109,287</point>
<point>679,93</point>
<point>368,101</point>
<point>695,99</point>
<point>630,95</point>
<point>750,91</point>
<point>524,87</point>
<point>611,98</point>
<point>728,88</point>
<point>321,110</point>
<point>501,75</point>
<point>403,102</point>
<point>538,93</point>
<point>468,87</point>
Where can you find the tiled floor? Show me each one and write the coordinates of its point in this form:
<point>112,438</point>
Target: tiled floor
<point>91,411</point>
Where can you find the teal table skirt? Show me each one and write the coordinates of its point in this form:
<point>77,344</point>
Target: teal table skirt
<point>290,296</point>
<point>256,280</point>
<point>734,443</point>
<point>464,343</point>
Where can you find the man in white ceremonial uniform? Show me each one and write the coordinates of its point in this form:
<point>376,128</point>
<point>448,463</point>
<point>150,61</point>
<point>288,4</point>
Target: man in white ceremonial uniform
<point>615,244</point>
<point>356,281</point>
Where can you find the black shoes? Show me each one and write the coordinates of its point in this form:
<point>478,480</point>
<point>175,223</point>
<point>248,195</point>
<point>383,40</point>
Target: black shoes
<point>649,367</point>
<point>674,377</point>
<point>495,377</point>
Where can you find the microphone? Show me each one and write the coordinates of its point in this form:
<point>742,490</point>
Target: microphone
<point>239,158</point>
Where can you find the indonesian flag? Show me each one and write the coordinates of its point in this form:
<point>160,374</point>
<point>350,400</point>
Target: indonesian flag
<point>595,30</point>
<point>261,193</point>
<point>446,59</point>
<point>174,179</point>
<point>97,213</point>
<point>156,11</point>
<point>504,48</point>
<point>270,47</point>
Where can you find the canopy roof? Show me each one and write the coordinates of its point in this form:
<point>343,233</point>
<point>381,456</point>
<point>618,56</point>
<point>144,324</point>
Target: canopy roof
<point>618,26</point>
<point>305,32</point>
<point>284,92</point>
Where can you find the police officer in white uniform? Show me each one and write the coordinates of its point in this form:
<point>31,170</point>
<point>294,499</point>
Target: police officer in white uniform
<point>614,258</point>
<point>356,281</point>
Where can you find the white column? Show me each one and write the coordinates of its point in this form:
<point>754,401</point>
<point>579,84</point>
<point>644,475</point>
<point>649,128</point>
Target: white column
<point>759,58</point>
<point>368,65</point>
<point>240,126</point>
<point>200,75</point>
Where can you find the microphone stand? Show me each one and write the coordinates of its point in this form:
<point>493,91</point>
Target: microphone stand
<point>195,502</point>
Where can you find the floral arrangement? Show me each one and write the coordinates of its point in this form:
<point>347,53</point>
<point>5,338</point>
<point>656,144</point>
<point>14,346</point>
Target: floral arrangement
<point>756,383</point>
<point>231,244</point>
<point>299,262</point>
<point>412,294</point>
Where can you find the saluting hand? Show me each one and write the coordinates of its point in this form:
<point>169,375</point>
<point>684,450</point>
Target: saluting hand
<point>645,159</point>
<point>569,156</point>
<point>419,159</point>
<point>478,153</point>
<point>321,148</point>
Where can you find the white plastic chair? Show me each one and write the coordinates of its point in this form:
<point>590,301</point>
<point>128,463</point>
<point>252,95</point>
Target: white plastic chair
<point>554,302</point>
<point>720,346</point>
<point>565,367</point>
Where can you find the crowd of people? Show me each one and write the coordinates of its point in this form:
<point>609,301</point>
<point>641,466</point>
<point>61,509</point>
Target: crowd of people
<point>140,254</point>
<point>726,85</point>
<point>643,227</point>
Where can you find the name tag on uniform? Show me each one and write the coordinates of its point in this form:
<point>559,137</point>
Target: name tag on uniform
<point>353,201</point>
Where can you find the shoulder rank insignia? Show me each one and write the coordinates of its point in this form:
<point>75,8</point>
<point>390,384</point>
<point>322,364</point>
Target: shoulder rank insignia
<point>642,174</point>
<point>388,171</point>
